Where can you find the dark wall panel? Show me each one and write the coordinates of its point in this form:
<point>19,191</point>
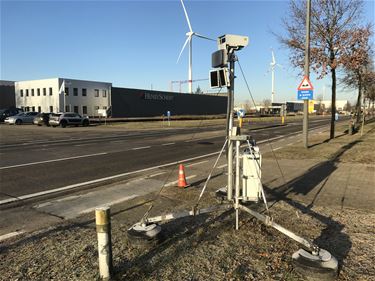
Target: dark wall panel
<point>7,96</point>
<point>145,103</point>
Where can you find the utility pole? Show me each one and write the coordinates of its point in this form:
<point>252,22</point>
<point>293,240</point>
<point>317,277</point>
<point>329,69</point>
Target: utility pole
<point>305,131</point>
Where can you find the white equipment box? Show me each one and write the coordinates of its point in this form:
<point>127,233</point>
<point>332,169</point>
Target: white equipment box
<point>251,175</point>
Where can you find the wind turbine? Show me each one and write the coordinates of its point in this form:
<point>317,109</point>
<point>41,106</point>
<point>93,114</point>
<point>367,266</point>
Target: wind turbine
<point>273,64</point>
<point>189,40</point>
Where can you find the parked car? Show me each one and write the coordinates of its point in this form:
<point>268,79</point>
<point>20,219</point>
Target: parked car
<point>68,119</point>
<point>42,119</point>
<point>21,118</point>
<point>10,111</point>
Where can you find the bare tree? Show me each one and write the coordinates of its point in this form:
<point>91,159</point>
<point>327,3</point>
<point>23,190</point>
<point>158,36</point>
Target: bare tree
<point>330,21</point>
<point>348,107</point>
<point>319,100</point>
<point>369,87</point>
<point>267,103</point>
<point>198,91</point>
<point>357,61</point>
<point>247,106</point>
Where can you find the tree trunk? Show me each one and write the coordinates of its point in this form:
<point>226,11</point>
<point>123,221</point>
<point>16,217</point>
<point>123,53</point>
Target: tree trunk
<point>359,99</point>
<point>333,104</point>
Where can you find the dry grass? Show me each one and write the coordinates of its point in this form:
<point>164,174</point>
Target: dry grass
<point>344,147</point>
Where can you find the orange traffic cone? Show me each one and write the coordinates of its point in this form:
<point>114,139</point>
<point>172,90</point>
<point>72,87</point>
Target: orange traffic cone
<point>181,177</point>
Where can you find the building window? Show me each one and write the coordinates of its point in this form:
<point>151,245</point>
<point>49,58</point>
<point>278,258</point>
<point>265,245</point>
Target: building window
<point>104,93</point>
<point>76,109</point>
<point>33,108</point>
<point>51,108</point>
<point>96,108</point>
<point>67,108</point>
<point>84,109</point>
<point>67,91</point>
<point>45,92</point>
<point>75,91</point>
<point>32,92</point>
<point>21,93</point>
<point>104,107</point>
<point>96,93</point>
<point>27,92</point>
<point>39,109</point>
<point>50,91</point>
<point>84,92</point>
<point>38,92</point>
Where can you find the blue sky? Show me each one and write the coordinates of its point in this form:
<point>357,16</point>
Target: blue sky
<point>135,44</point>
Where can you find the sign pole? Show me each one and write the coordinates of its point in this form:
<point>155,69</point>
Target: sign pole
<point>305,131</point>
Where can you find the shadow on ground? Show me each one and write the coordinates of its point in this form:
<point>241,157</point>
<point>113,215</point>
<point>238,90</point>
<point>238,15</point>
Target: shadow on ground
<point>332,237</point>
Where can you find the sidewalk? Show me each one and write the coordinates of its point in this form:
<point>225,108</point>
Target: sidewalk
<point>325,193</point>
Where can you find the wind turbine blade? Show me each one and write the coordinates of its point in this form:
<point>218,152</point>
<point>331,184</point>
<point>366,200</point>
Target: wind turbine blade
<point>204,37</point>
<point>187,17</point>
<point>183,47</point>
<point>273,58</point>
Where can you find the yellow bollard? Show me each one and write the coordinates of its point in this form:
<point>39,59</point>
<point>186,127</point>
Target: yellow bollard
<point>282,120</point>
<point>240,122</point>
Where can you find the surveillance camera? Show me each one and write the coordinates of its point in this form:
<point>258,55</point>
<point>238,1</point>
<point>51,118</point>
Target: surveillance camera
<point>232,41</point>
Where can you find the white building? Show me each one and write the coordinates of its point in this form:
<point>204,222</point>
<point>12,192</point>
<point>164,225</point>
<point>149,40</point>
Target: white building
<point>63,95</point>
<point>340,104</point>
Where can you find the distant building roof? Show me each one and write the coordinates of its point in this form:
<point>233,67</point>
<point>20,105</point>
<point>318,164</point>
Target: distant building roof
<point>6,83</point>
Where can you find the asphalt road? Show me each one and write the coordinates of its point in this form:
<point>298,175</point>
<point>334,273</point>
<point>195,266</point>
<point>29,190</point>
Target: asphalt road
<point>35,160</point>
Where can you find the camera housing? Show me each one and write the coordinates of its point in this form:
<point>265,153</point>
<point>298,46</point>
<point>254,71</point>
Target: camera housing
<point>232,41</point>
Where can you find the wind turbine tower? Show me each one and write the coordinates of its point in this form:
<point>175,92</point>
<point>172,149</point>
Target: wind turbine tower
<point>189,40</point>
<point>273,64</point>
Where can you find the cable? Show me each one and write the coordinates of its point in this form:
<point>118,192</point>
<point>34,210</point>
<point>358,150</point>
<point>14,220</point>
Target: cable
<point>247,85</point>
<point>144,217</point>
<point>268,139</point>
<point>209,176</point>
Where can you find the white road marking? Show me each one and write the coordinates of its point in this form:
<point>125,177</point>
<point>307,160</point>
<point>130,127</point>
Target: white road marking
<point>54,160</point>
<point>157,174</point>
<point>175,182</point>
<point>222,166</point>
<point>170,143</point>
<point>109,203</point>
<point>40,149</point>
<point>191,140</point>
<point>117,141</point>
<point>9,235</point>
<point>32,195</point>
<point>290,143</point>
<point>142,147</point>
<point>277,148</point>
<point>84,144</point>
<point>27,196</point>
<point>271,139</point>
<point>196,163</point>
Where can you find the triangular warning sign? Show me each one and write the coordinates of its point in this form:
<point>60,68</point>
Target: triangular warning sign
<point>305,84</point>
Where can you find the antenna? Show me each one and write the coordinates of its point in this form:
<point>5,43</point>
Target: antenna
<point>189,40</point>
